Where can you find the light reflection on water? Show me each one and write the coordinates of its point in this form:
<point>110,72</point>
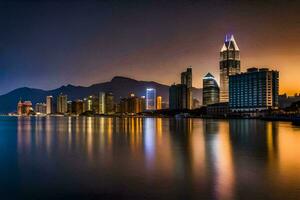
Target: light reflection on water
<point>153,158</point>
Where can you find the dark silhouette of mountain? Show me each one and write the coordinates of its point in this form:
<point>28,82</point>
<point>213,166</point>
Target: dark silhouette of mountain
<point>119,86</point>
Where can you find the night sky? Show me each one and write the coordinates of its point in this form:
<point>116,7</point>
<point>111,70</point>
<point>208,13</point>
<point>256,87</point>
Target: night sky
<point>46,44</point>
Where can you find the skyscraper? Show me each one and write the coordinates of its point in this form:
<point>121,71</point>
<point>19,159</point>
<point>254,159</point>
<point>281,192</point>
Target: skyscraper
<point>62,106</point>
<point>109,103</point>
<point>178,97</point>
<point>229,65</point>
<point>186,79</point>
<point>40,108</point>
<point>150,99</point>
<point>254,90</point>
<point>158,103</point>
<point>49,104</point>
<point>101,103</point>
<point>210,90</point>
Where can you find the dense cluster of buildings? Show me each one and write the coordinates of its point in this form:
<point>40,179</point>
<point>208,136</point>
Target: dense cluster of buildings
<point>251,91</point>
<point>102,103</point>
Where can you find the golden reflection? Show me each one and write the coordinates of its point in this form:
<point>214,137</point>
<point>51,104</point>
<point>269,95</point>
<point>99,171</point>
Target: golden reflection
<point>289,151</point>
<point>224,163</point>
<point>197,144</point>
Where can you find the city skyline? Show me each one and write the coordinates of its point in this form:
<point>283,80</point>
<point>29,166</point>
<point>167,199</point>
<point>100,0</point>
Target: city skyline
<point>94,46</point>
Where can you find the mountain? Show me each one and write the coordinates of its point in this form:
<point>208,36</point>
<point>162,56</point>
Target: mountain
<point>120,86</point>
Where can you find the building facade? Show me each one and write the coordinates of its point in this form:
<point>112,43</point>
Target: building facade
<point>132,104</point>
<point>254,90</point>
<point>150,99</point>
<point>158,102</point>
<point>62,105</point>
<point>178,97</point>
<point>49,104</point>
<point>210,90</point>
<point>24,108</point>
<point>187,79</point>
<point>77,107</point>
<point>41,108</point>
<point>229,65</point>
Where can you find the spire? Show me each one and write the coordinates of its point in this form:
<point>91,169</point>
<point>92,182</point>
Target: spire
<point>229,43</point>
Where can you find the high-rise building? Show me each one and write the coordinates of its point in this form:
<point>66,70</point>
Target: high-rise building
<point>77,107</point>
<point>186,79</point>
<point>109,103</point>
<point>49,104</point>
<point>254,90</point>
<point>41,108</point>
<point>150,99</point>
<point>88,104</point>
<point>24,108</point>
<point>210,90</point>
<point>178,97</point>
<point>62,106</point>
<point>229,65</point>
<point>132,104</point>
<point>158,103</point>
<point>101,103</point>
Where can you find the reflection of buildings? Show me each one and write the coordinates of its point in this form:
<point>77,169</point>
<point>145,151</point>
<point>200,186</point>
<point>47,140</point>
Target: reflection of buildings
<point>254,136</point>
<point>219,157</point>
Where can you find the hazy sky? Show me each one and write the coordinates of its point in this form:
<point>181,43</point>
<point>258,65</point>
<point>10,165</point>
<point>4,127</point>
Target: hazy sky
<point>45,44</point>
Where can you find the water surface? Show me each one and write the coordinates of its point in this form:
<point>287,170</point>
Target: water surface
<point>148,158</point>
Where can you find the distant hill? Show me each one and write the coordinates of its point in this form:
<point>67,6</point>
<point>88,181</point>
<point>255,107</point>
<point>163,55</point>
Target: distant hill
<point>120,86</point>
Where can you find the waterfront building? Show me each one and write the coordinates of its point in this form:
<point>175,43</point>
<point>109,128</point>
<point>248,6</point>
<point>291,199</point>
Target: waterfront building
<point>158,102</point>
<point>101,103</point>
<point>109,103</point>
<point>186,79</point>
<point>132,104</point>
<point>150,99</point>
<point>229,65</point>
<point>77,107</point>
<point>24,108</point>
<point>178,96</point>
<point>62,106</point>
<point>69,106</point>
<point>254,90</point>
<point>41,108</point>
<point>88,104</point>
<point>210,90</point>
<point>49,104</point>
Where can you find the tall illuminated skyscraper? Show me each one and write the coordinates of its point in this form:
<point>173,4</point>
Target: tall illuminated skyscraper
<point>186,79</point>
<point>229,65</point>
<point>150,99</point>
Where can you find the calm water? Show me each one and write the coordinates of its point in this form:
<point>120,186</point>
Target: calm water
<point>153,158</point>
